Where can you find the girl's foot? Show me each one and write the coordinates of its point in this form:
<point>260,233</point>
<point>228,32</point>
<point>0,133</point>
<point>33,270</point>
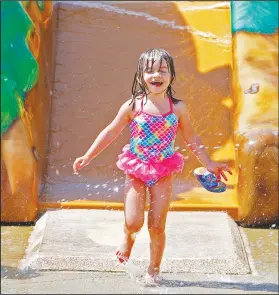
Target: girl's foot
<point>121,258</point>
<point>124,251</point>
<point>153,279</point>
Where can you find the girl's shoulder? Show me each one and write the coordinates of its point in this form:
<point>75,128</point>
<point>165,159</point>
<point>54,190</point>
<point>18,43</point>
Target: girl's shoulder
<point>178,104</point>
<point>136,103</point>
<point>179,107</point>
<point>131,106</point>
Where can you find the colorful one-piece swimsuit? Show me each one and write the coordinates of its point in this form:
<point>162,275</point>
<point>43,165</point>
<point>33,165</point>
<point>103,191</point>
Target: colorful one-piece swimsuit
<point>150,154</point>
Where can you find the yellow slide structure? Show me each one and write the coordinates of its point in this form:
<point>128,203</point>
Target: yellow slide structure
<point>82,58</point>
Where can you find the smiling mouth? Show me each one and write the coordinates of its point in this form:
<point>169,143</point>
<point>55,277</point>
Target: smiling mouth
<point>156,83</point>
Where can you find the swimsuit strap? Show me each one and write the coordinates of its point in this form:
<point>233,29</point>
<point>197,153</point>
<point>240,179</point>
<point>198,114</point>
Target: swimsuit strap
<point>142,103</point>
<point>170,101</point>
<point>171,107</point>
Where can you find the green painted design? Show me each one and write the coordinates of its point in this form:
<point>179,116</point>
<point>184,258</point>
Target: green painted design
<point>254,16</point>
<point>19,69</point>
<point>41,5</point>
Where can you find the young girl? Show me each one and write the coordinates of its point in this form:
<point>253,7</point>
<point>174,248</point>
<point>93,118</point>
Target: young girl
<point>154,116</point>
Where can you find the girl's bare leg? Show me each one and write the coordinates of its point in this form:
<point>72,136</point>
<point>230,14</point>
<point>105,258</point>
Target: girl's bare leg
<point>160,196</point>
<point>135,197</point>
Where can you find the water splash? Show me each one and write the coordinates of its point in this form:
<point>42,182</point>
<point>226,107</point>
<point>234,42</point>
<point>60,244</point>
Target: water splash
<point>208,36</point>
<point>224,4</point>
<point>134,272</point>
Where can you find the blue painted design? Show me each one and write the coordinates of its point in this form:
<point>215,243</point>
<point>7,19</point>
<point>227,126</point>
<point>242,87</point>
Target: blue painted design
<point>254,16</point>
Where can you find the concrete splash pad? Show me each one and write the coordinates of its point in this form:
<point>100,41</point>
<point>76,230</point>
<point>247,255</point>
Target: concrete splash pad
<point>86,240</point>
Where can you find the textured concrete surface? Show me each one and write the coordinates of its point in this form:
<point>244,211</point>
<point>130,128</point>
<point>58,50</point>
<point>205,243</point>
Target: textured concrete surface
<point>263,244</point>
<point>82,240</point>
<point>53,282</point>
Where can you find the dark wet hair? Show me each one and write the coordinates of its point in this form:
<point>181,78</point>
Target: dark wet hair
<point>139,87</point>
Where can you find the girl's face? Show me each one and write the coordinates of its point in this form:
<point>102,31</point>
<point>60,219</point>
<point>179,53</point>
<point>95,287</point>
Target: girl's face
<point>157,76</point>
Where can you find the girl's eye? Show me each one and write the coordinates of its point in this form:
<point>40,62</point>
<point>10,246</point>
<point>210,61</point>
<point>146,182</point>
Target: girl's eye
<point>151,71</point>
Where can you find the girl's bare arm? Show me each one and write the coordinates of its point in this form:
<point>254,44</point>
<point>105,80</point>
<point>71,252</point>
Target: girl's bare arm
<point>196,145</point>
<point>189,135</point>
<point>111,132</point>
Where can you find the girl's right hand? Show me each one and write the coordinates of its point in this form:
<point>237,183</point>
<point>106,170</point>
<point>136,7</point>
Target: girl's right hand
<point>80,163</point>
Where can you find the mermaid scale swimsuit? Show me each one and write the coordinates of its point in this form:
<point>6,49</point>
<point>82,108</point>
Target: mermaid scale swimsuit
<point>150,154</point>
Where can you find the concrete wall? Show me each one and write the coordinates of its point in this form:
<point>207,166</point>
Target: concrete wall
<point>98,46</point>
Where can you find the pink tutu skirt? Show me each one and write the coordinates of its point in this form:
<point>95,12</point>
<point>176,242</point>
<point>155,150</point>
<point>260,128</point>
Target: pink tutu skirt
<point>149,172</point>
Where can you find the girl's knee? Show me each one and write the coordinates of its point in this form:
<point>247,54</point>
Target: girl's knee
<point>156,230</point>
<point>134,227</point>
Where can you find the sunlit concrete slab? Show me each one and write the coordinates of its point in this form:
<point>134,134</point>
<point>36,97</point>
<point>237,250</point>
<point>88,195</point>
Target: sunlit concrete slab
<point>83,240</point>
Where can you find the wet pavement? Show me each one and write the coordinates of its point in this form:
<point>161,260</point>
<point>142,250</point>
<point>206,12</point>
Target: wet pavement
<point>263,245</point>
<point>82,240</point>
<point>116,283</point>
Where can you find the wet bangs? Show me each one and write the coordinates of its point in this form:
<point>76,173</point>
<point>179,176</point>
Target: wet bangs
<point>152,56</point>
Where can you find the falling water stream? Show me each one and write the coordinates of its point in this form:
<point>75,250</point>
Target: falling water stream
<point>98,44</point>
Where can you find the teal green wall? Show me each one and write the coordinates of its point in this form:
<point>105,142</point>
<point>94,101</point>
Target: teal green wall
<point>254,16</point>
<point>19,69</point>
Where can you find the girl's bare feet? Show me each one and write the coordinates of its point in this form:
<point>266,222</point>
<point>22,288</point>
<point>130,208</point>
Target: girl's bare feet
<point>152,276</point>
<point>124,250</point>
<point>153,279</point>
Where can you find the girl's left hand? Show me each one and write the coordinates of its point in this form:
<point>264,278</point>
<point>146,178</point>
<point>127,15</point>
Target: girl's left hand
<point>218,169</point>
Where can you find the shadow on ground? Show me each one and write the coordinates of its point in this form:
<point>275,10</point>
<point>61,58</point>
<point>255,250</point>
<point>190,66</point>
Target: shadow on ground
<point>268,287</point>
<point>9,272</point>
